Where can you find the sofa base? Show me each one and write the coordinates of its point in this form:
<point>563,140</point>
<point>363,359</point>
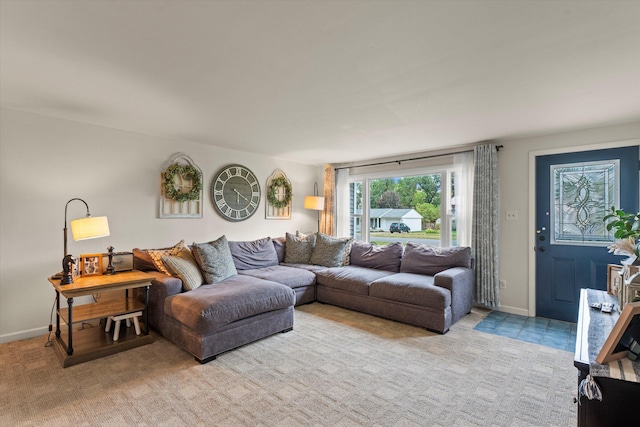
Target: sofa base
<point>431,319</point>
<point>207,360</point>
<point>305,295</point>
<point>205,347</point>
<point>211,358</point>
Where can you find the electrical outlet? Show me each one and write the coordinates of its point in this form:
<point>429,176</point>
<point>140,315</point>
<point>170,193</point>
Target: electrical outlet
<point>503,284</point>
<point>512,215</point>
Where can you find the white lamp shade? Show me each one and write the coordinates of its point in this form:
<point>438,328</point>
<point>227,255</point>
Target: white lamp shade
<point>314,202</point>
<point>90,227</point>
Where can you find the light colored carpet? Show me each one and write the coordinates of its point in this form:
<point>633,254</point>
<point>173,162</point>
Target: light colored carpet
<point>336,368</point>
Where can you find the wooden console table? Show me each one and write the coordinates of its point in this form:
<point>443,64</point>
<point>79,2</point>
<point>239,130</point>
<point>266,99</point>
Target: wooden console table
<point>92,343</point>
<point>618,397</point>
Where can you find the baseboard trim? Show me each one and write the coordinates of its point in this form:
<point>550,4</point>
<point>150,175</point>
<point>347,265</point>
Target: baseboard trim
<point>23,335</point>
<point>514,310</point>
<point>506,309</point>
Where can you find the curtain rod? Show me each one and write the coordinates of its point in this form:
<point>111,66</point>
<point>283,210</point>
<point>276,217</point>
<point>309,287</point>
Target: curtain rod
<point>388,162</point>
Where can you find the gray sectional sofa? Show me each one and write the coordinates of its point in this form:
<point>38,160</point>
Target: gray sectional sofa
<point>216,296</point>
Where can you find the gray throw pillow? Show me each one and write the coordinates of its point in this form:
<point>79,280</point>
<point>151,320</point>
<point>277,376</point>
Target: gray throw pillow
<point>255,254</point>
<point>330,251</point>
<point>430,260</point>
<point>386,257</point>
<point>298,249</point>
<point>214,259</point>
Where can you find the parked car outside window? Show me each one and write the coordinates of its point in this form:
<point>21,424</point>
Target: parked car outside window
<point>399,227</point>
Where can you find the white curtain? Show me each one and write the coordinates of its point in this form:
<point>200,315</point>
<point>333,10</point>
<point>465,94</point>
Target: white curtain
<point>485,225</point>
<point>463,169</point>
<point>342,203</point>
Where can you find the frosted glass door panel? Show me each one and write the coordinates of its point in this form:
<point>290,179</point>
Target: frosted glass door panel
<point>582,193</point>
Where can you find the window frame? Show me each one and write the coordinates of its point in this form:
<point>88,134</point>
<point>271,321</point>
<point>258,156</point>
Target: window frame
<point>445,170</point>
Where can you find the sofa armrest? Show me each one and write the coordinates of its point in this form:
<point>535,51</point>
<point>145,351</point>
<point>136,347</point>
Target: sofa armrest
<point>162,286</point>
<point>460,281</point>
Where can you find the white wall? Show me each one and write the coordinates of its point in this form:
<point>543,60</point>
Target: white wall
<point>515,248</point>
<point>45,161</point>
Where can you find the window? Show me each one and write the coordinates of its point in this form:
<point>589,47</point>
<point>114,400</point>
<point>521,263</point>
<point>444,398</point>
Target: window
<point>417,204</point>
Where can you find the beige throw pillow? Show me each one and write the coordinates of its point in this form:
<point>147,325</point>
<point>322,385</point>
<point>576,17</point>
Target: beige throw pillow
<point>157,254</point>
<point>185,267</point>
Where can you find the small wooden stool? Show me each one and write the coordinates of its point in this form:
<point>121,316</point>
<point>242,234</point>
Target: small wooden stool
<point>119,318</point>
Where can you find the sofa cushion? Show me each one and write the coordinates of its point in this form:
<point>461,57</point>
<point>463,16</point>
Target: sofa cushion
<point>214,259</point>
<point>298,249</point>
<point>351,278</point>
<point>255,254</point>
<point>416,289</point>
<point>330,251</point>
<point>430,260</point>
<point>185,267</point>
<point>211,307</point>
<point>309,267</point>
<point>151,259</point>
<point>387,257</point>
<point>288,276</point>
<point>279,245</point>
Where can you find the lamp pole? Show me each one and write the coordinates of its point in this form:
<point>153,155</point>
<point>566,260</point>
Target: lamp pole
<point>65,221</point>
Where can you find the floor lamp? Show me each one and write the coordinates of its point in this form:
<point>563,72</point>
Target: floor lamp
<point>314,202</point>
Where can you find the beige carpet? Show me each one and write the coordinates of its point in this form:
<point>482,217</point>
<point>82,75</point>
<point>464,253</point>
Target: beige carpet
<point>336,368</point>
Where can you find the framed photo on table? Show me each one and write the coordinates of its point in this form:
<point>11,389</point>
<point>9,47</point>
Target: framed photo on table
<point>624,334</point>
<point>614,279</point>
<point>75,269</point>
<point>91,264</point>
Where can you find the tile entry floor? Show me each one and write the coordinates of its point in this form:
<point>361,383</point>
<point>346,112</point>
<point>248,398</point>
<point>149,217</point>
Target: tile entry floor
<point>547,332</point>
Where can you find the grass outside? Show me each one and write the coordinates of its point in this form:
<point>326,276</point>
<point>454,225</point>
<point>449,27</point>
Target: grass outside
<point>424,234</point>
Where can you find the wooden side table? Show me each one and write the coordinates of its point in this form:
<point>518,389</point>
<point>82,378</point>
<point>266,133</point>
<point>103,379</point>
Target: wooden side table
<point>92,343</point>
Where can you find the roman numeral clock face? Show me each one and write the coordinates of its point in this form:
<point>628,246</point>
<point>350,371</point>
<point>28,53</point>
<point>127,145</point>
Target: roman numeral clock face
<point>236,193</point>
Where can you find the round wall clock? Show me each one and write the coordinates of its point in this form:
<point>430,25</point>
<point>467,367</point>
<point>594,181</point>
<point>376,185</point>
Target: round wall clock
<point>235,192</point>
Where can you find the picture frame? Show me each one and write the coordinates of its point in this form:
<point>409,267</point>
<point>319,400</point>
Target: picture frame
<point>91,264</point>
<point>75,269</point>
<point>625,331</point>
<point>614,279</point>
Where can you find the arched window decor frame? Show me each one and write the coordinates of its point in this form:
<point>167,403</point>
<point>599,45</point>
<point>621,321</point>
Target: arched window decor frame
<point>280,194</point>
<point>168,206</point>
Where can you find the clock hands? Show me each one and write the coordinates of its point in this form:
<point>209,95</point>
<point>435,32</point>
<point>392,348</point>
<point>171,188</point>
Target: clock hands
<point>239,195</point>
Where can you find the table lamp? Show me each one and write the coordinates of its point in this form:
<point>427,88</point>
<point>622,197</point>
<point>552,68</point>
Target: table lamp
<point>81,229</point>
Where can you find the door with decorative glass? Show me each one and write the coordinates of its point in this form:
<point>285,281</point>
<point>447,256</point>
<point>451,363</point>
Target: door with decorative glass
<point>574,191</point>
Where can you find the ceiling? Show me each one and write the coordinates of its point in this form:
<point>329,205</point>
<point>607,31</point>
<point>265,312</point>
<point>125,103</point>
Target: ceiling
<point>324,81</point>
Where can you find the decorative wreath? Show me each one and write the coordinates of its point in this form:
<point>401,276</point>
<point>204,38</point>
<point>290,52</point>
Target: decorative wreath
<point>272,194</point>
<point>189,172</point>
